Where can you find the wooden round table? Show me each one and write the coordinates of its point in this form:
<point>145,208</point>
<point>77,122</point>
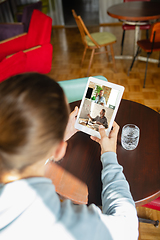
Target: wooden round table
<point>141,166</point>
<point>134,13</point>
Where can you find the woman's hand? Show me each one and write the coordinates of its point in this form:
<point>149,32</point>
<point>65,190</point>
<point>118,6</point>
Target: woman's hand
<point>108,144</point>
<point>70,129</point>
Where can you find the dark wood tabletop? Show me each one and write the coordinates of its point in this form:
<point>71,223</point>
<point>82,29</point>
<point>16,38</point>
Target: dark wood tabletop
<point>141,166</point>
<point>78,175</point>
<point>135,11</point>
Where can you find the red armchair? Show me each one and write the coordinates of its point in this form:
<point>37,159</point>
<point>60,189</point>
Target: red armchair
<point>30,51</point>
<point>8,30</point>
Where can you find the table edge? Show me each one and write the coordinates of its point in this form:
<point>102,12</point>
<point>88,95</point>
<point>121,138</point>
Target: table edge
<point>147,199</point>
<point>136,19</point>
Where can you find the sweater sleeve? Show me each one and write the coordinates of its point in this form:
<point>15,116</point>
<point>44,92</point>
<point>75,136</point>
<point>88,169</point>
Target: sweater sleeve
<point>117,201</point>
<point>118,218</point>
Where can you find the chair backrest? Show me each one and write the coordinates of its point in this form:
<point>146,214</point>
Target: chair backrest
<point>27,13</point>
<point>40,28</point>
<point>155,30</point>
<point>83,30</point>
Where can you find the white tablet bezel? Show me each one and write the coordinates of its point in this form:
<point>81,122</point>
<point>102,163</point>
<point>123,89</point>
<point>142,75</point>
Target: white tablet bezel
<point>86,129</point>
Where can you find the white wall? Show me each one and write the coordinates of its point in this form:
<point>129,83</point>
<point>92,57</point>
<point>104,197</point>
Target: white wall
<point>55,10</point>
<point>103,6</point>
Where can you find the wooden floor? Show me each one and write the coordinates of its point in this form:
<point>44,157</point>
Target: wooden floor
<point>67,54</point>
<point>148,231</point>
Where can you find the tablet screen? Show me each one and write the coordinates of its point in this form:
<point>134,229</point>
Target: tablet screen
<point>99,106</point>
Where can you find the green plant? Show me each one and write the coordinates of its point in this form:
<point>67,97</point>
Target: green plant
<point>93,98</point>
<point>98,89</point>
<point>96,92</point>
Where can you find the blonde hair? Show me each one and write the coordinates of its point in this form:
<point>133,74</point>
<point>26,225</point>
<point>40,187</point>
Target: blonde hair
<point>33,117</point>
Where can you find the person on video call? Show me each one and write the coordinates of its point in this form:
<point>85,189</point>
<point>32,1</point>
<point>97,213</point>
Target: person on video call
<point>100,99</point>
<point>101,120</point>
<point>34,126</point>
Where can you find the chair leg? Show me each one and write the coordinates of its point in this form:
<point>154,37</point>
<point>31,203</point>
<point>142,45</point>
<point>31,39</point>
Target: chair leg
<point>107,53</point>
<point>113,59</point>
<point>84,53</point>
<point>122,42</point>
<point>90,62</point>
<point>143,220</point>
<point>148,54</point>
<point>159,60</point>
<point>134,58</point>
<point>147,34</point>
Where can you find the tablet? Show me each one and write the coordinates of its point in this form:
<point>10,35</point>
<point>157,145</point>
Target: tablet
<point>99,106</point>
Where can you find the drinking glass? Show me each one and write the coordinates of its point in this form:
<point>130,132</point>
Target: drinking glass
<point>130,136</point>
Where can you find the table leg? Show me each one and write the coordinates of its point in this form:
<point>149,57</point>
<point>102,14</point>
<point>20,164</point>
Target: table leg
<point>136,37</point>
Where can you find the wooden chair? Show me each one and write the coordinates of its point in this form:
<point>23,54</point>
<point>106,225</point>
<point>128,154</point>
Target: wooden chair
<point>146,26</point>
<point>95,41</point>
<point>149,46</point>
